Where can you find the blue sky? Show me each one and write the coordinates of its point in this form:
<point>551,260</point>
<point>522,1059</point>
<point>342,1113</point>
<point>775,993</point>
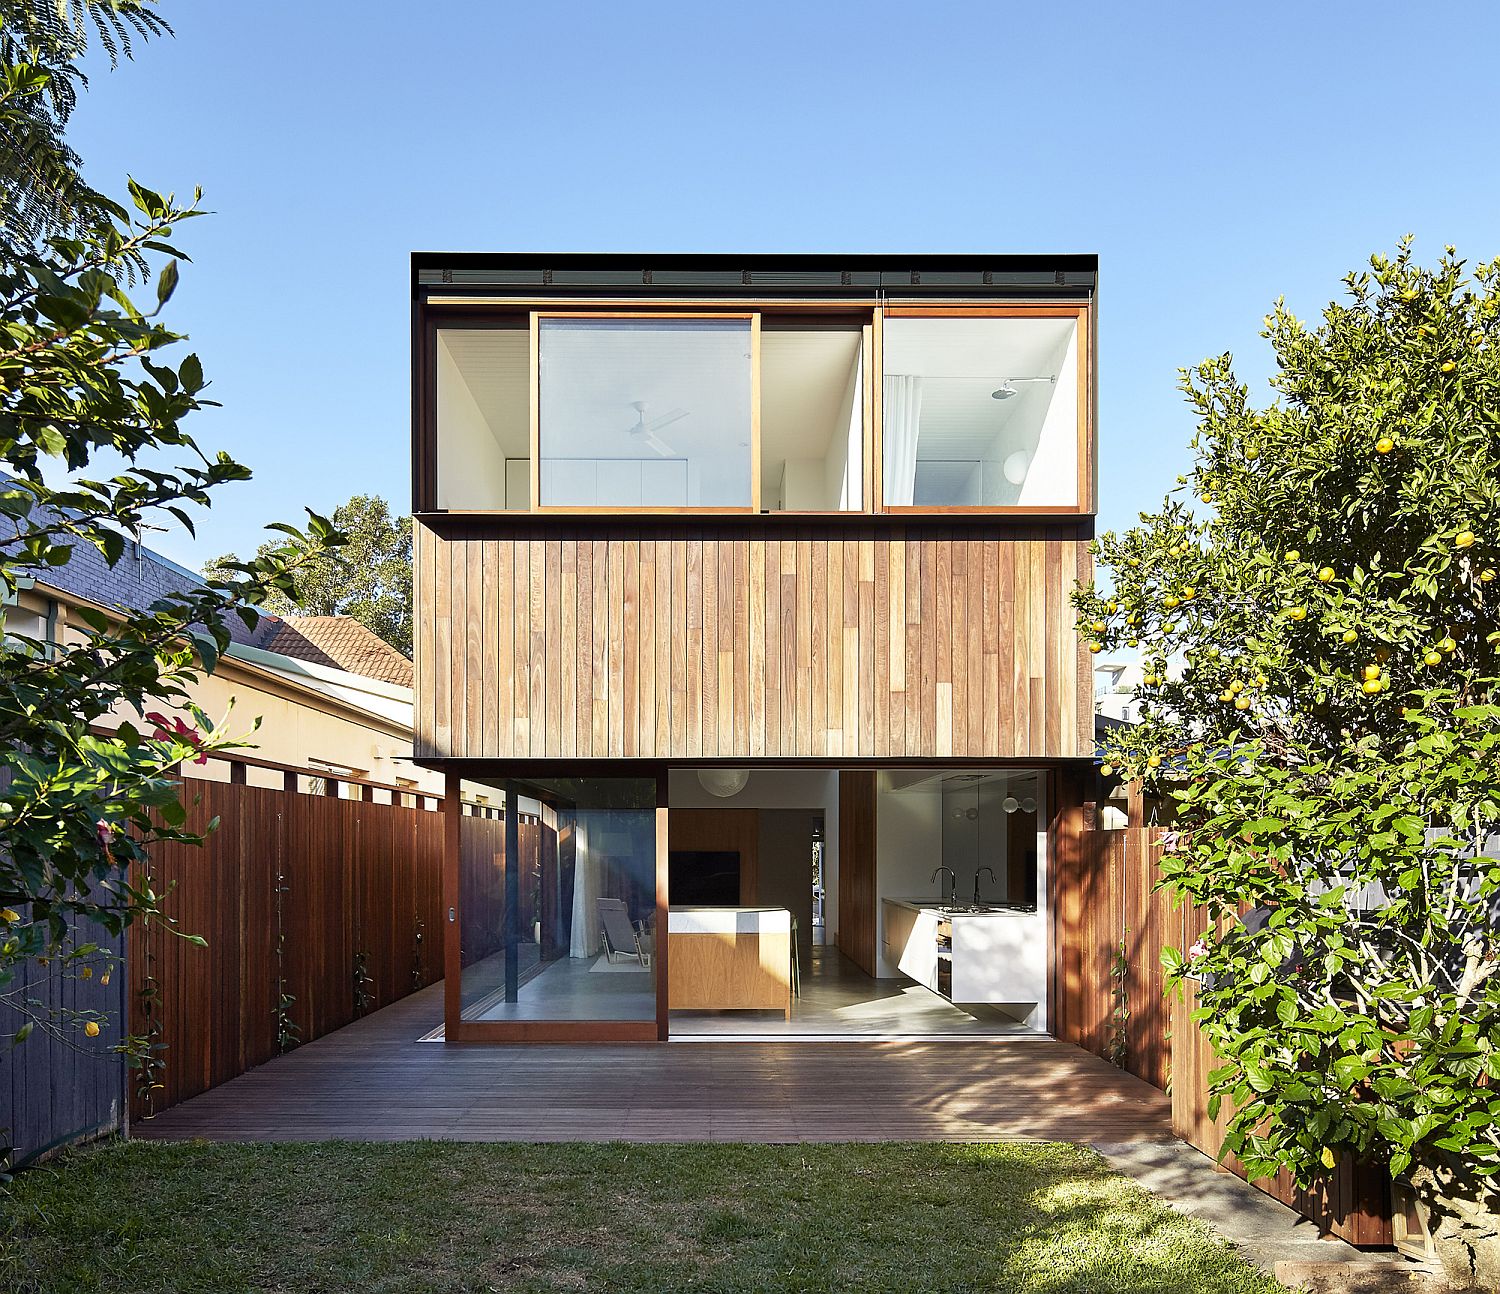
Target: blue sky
<point>1214,156</point>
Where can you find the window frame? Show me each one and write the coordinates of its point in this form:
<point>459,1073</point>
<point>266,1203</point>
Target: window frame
<point>485,315</point>
<point>538,508</point>
<point>1083,501</point>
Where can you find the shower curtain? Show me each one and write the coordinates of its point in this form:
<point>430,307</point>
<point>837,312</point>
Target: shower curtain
<point>901,424</point>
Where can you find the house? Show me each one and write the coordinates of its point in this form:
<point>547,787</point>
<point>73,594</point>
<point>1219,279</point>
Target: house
<point>743,627</point>
<point>330,695</point>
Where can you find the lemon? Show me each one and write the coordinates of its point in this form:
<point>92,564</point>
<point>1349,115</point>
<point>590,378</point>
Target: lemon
<point>1350,636</point>
<point>1372,671</point>
<point>1432,658</point>
<point>1464,539</point>
<point>1154,762</point>
<point>1371,686</point>
<point>1384,445</point>
<point>1098,626</point>
<point>1487,574</point>
<point>1449,366</point>
<point>1226,696</point>
<point>1106,769</point>
<point>1242,703</point>
<point>1236,687</point>
<point>10,914</point>
<point>1293,556</point>
<point>1447,645</point>
<point>1169,602</point>
<point>1111,607</point>
<point>1095,648</point>
<point>1325,575</point>
<point>1189,593</point>
<point>1252,453</point>
<point>92,1029</point>
<point>1296,613</point>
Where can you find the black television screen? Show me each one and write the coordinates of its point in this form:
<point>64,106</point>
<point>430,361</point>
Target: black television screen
<point>703,878</point>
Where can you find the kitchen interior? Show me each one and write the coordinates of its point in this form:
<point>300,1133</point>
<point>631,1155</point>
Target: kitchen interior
<point>933,924</point>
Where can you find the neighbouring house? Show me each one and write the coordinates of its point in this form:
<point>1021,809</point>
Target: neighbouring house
<point>743,596</point>
<point>329,693</point>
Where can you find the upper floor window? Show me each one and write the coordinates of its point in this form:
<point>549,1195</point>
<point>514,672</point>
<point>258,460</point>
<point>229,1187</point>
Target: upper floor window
<point>931,408</point>
<point>645,412</point>
<point>980,412</point>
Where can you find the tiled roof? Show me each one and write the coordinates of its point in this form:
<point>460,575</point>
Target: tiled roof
<point>340,642</point>
<point>142,577</point>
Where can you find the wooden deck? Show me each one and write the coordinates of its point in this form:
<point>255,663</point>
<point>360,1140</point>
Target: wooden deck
<point>373,1080</point>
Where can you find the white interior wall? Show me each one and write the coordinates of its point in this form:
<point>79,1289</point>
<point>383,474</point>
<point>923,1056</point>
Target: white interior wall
<point>470,462</point>
<point>1053,475</point>
<point>811,393</point>
<point>777,788</point>
<point>908,845</point>
<point>843,480</point>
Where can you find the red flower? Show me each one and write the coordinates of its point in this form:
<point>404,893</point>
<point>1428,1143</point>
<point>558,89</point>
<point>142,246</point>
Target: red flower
<point>178,731</point>
<point>106,833</point>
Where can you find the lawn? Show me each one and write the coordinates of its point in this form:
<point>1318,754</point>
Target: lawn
<point>428,1216</point>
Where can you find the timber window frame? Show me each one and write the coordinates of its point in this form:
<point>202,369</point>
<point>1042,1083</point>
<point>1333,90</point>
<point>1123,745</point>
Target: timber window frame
<point>1082,504</point>
<point>430,318</point>
<point>539,317</point>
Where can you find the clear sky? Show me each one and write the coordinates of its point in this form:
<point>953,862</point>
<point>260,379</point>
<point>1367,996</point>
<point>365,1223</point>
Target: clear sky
<point>1215,156</point>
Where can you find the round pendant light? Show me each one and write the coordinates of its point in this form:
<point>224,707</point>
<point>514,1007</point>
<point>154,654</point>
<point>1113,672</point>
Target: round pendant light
<point>723,782</point>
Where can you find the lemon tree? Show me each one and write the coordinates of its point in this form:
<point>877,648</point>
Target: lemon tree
<point>1316,605</point>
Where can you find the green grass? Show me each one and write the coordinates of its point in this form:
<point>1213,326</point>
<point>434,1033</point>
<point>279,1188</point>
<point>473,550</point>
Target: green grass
<point>425,1217</point>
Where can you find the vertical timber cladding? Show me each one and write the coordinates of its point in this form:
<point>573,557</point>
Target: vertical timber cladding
<point>571,638</point>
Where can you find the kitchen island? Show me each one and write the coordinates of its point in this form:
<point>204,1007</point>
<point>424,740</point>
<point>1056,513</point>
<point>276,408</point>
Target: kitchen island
<point>729,959</point>
<point>995,955</point>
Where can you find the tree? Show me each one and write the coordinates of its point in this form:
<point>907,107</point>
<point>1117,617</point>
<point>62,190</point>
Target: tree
<point>83,370</point>
<point>1316,604</point>
<point>41,42</point>
<point>369,578</point>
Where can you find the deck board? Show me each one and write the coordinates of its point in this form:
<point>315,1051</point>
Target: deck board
<point>373,1080</point>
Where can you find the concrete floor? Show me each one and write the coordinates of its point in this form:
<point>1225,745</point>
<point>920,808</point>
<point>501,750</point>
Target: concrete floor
<point>566,989</point>
<point>839,1000</point>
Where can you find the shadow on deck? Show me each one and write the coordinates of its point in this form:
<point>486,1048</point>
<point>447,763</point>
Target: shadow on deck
<point>373,1081</point>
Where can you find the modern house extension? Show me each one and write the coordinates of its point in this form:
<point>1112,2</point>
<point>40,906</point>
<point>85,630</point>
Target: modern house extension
<point>744,641</point>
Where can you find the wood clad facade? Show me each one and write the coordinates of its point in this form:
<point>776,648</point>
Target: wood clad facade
<point>658,639</point>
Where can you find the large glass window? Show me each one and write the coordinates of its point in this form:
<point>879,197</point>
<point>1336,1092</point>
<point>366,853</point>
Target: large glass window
<point>980,412</point>
<point>569,931</point>
<point>646,413</point>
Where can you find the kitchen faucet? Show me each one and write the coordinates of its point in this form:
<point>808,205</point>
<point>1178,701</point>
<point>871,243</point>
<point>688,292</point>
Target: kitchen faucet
<point>952,874</point>
<point>991,871</point>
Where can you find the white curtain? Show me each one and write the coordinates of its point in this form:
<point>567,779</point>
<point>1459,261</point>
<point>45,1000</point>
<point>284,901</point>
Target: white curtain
<point>901,422</point>
<point>585,940</point>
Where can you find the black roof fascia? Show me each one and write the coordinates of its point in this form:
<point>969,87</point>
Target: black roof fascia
<point>679,274</point>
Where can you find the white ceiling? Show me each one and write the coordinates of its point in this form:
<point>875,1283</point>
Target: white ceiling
<point>494,364</point>
<point>804,376</point>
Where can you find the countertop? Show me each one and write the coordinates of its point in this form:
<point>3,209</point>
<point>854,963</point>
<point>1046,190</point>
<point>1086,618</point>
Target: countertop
<point>934,908</point>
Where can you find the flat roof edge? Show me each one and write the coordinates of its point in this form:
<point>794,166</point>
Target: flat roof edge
<point>799,273</point>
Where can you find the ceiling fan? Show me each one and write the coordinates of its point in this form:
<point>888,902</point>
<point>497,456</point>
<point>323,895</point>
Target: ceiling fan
<point>646,431</point>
